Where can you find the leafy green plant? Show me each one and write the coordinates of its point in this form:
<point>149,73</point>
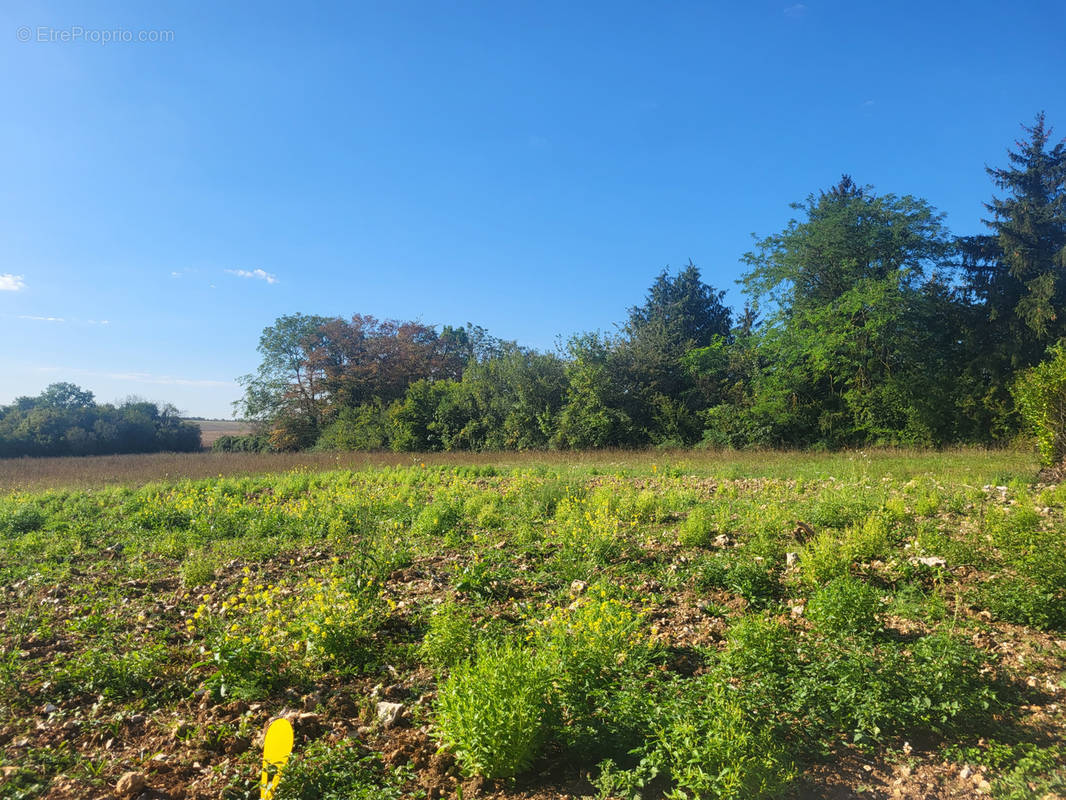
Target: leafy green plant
<point>823,559</point>
<point>450,637</point>
<point>698,529</point>
<point>707,746</point>
<point>845,605</point>
<point>491,710</point>
<point>340,771</point>
<point>23,518</point>
<point>135,672</point>
<point>1024,601</point>
<point>1040,396</point>
<point>198,569</point>
<point>443,518</point>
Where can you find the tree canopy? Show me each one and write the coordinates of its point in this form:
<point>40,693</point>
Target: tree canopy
<point>865,321</point>
<point>64,420</point>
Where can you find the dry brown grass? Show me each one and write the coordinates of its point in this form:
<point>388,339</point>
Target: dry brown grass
<point>968,465</point>
<point>135,470</point>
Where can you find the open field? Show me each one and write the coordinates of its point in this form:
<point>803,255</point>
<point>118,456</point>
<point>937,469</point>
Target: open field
<point>886,624</point>
<point>212,429</point>
<point>965,465</point>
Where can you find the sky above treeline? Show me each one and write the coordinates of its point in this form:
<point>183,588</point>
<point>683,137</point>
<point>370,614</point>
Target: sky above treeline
<point>178,175</point>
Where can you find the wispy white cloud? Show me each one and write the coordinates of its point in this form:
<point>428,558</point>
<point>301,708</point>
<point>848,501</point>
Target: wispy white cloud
<point>11,283</point>
<point>796,11</point>
<point>136,377</point>
<point>258,274</point>
<point>41,319</point>
<point>868,104</point>
<point>98,321</point>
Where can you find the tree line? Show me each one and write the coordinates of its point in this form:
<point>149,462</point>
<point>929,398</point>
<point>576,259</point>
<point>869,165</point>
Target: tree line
<point>865,322</point>
<point>65,420</point>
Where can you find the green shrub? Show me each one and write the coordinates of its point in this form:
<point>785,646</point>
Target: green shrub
<point>599,650</point>
<point>1026,602</point>
<point>869,691</point>
<point>753,581</point>
<point>491,710</point>
<point>246,443</point>
<point>1040,396</point>
<point>198,569</point>
<point>341,771</point>
<point>22,519</point>
<point>845,605</point>
<point>134,673</point>
<point>450,637</point>
<point>762,653</point>
<point>709,747</point>
<point>699,528</point>
<point>443,518</point>
<point>823,559</point>
<point>869,540</point>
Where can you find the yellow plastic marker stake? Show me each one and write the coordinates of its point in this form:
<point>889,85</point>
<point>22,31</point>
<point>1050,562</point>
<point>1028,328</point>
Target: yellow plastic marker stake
<point>276,751</point>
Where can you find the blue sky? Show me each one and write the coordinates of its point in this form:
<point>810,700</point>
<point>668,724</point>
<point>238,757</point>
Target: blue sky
<point>529,167</point>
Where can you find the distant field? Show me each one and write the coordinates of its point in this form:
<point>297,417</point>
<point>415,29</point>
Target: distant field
<point>212,429</point>
<point>971,466</point>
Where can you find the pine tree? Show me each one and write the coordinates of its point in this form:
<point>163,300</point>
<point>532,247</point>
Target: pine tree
<point>1024,282</point>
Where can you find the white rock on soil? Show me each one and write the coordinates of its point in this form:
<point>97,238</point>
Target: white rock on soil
<point>130,783</point>
<point>389,713</point>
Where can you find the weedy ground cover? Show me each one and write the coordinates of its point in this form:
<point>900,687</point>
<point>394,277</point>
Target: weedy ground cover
<point>627,625</point>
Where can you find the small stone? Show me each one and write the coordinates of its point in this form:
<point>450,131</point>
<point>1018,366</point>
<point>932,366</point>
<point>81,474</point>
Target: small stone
<point>932,561</point>
<point>722,540</point>
<point>579,587</point>
<point>797,611</point>
<point>50,708</point>
<point>791,559</point>
<point>389,713</point>
<point>130,783</point>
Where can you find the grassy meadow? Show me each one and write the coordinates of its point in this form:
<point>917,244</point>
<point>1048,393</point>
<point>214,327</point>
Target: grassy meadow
<point>611,625</point>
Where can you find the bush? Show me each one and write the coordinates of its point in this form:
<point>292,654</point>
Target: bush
<point>1040,395</point>
<point>441,518</point>
<point>599,650</point>
<point>22,519</point>
<point>491,710</point>
<point>845,606</point>
<point>362,428</point>
<point>326,771</point>
<point>698,528</point>
<point>708,746</point>
<point>1026,602</point>
<point>249,443</point>
<point>823,559</point>
<point>450,637</point>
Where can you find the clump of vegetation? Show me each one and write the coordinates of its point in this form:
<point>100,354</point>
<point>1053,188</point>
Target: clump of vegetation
<point>263,632</point>
<point>1040,393</point>
<point>491,709</point>
<point>699,528</point>
<point>451,636</point>
<point>65,420</point>
<point>845,605</point>
<point>341,771</point>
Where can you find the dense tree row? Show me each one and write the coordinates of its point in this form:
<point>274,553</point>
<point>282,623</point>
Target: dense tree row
<point>64,420</point>
<point>866,322</point>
